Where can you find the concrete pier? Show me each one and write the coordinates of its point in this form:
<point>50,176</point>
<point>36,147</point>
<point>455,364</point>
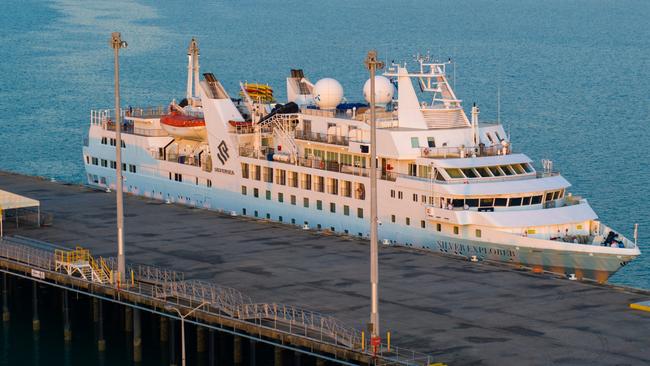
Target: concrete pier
<point>461,312</point>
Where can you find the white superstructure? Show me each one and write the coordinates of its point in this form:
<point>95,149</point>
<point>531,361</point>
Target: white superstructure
<point>448,183</point>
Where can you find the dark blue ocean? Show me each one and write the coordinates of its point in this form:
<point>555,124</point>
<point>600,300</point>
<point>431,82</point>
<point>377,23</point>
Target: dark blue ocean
<point>574,75</point>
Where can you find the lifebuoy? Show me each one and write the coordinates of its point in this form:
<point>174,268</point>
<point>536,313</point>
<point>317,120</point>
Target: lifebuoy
<point>322,165</point>
<point>426,151</point>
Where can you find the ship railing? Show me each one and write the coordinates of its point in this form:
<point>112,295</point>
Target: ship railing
<point>464,152</point>
<point>322,137</point>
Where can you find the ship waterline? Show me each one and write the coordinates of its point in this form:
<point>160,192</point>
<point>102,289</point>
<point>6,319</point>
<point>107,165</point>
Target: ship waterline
<point>447,183</point>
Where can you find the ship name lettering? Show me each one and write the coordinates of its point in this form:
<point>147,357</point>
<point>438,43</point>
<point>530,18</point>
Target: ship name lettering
<point>225,171</point>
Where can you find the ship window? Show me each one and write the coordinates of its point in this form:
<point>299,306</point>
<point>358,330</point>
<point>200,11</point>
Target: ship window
<point>256,192</point>
<point>483,172</point>
<point>359,161</point>
<point>332,186</point>
<point>332,156</point>
<point>495,171</point>
<point>268,175</point>
<point>400,195</point>
<point>424,171</point>
<point>487,134</point>
<point>440,177</point>
<point>497,135</point>
<point>515,202</point>
<point>281,177</point>
<point>472,202</point>
<point>94,160</point>
<point>423,199</point>
<point>123,167</point>
<point>455,173</point>
<point>123,144</point>
<point>320,184</point>
<point>268,216</point>
<point>478,233</point>
<point>243,190</point>
<point>104,139</point>
<point>305,202</point>
<point>431,142</point>
<point>332,207</point>
<point>280,218</point>
<point>360,213</point>
<point>423,224</point>
<point>113,165</point>
<point>526,201</point>
<point>392,218</point>
<point>415,142</point>
<point>319,204</point>
<point>413,170</point>
<point>456,231</point>
<point>306,181</point>
<point>346,159</point>
<point>518,169</point>
<point>487,202</point>
<point>561,193</point>
<point>458,203</point>
<point>293,199</point>
<point>346,185</point>
<point>439,227</point>
<point>556,195</point>
<point>112,142</point>
<point>209,182</point>
<point>469,173</point>
<point>500,202</point>
<point>255,213</point>
<point>257,172</point>
<point>506,169</point>
<point>408,221</point>
<point>132,168</point>
<point>549,196</point>
<point>359,191</point>
<point>392,191</point>
<point>280,197</point>
<point>293,179</point>
<point>415,197</point>
<point>346,210</point>
<point>536,200</point>
<point>308,153</point>
<point>244,170</point>
<point>527,167</point>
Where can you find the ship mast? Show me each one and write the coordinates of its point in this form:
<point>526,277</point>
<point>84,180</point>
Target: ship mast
<point>192,70</point>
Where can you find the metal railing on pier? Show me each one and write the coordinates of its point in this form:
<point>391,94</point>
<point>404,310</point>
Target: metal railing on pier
<point>170,286</point>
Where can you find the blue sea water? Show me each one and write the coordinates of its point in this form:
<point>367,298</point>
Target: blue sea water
<point>574,75</point>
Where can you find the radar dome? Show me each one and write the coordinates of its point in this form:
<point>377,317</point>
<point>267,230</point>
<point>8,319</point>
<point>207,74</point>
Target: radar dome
<point>328,93</point>
<point>384,90</point>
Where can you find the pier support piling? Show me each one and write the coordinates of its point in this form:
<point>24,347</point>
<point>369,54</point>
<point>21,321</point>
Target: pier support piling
<point>5,297</point>
<point>36,323</point>
<point>277,353</point>
<point>164,329</point>
<point>67,333</point>
<point>95,309</point>
<point>200,339</point>
<point>172,342</point>
<point>101,342</point>
<point>137,337</point>
<point>128,319</point>
<point>211,353</point>
<point>251,352</point>
<point>297,358</point>
<point>237,356</point>
<point>320,362</point>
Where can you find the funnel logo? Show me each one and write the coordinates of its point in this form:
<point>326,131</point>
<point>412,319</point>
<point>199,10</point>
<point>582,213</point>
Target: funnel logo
<point>222,152</point>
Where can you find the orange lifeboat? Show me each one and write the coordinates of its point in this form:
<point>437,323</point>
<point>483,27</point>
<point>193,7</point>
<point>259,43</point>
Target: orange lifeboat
<point>184,126</point>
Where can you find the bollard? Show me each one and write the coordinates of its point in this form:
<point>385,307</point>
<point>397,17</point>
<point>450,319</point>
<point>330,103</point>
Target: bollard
<point>128,319</point>
<point>200,339</point>
<point>277,353</point>
<point>5,296</point>
<point>137,337</point>
<point>67,333</point>
<point>237,357</point>
<point>252,349</point>
<point>101,343</point>
<point>164,329</point>
<point>36,323</point>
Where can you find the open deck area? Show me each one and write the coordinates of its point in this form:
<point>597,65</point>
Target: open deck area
<point>459,312</point>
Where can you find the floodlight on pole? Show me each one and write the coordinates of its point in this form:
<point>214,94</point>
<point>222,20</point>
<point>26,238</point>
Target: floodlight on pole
<point>117,43</point>
<point>373,64</point>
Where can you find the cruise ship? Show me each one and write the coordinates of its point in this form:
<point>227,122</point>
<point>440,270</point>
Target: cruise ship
<point>447,182</point>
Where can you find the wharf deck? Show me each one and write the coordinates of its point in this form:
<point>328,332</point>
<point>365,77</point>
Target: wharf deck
<point>457,311</point>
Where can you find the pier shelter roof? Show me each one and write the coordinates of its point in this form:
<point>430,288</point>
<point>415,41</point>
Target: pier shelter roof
<point>10,200</point>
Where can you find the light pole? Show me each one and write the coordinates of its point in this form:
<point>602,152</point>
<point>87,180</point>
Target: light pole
<point>116,44</point>
<point>183,327</point>
<point>373,64</point>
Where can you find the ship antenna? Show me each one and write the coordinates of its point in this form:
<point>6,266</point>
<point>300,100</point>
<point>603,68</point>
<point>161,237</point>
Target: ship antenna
<point>499,104</point>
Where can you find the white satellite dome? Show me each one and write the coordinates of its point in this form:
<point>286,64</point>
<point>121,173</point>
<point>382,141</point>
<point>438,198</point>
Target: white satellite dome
<point>328,93</point>
<point>384,90</point>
